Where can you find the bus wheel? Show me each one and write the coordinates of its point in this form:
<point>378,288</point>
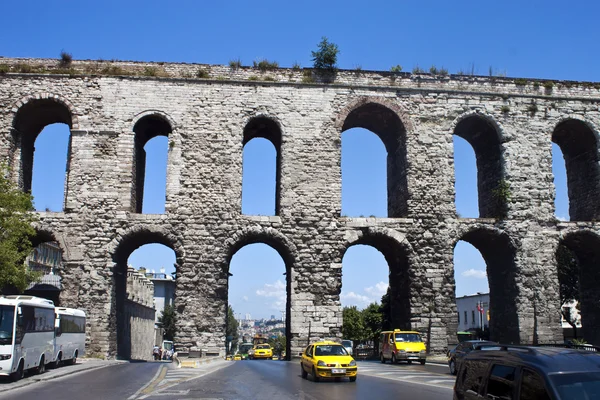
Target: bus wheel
<point>42,367</point>
<point>19,373</point>
<point>73,360</point>
<point>58,361</point>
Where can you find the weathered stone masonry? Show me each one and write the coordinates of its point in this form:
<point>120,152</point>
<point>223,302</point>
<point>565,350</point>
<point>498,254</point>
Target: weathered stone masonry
<point>510,125</point>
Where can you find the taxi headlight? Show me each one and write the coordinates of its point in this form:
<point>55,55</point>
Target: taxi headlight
<point>422,351</point>
<point>321,363</point>
<point>352,363</point>
<point>402,351</point>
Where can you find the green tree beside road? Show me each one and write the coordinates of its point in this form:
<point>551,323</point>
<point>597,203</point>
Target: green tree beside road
<point>352,327</point>
<point>568,279</point>
<point>232,330</point>
<point>16,231</point>
<point>167,320</point>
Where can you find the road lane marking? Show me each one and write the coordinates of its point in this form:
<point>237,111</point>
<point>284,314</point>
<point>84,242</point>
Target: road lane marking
<point>442,381</point>
<point>157,378</point>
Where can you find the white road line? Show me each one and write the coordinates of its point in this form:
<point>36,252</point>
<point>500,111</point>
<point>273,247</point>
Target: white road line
<point>417,376</point>
<point>442,381</point>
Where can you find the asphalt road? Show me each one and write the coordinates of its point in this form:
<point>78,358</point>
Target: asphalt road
<point>251,380</point>
<point>116,382</point>
<point>243,380</point>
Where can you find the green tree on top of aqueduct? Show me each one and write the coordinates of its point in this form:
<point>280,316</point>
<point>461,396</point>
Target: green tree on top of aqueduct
<point>326,57</point>
<point>16,231</point>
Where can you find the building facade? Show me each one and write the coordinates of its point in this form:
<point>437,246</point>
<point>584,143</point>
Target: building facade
<point>164,292</point>
<point>473,312</point>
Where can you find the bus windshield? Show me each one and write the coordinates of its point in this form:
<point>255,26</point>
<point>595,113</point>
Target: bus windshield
<point>7,317</point>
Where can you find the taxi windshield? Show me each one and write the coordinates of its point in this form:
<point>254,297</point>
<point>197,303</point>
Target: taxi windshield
<point>408,337</point>
<point>330,350</point>
<point>263,346</point>
<point>7,317</point>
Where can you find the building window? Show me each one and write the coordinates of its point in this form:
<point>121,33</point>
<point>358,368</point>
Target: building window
<point>473,317</point>
<point>459,318</point>
<point>466,320</point>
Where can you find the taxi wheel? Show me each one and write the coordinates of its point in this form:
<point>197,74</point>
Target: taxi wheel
<point>353,379</point>
<point>315,376</point>
<point>382,358</point>
<point>304,374</point>
<point>394,361</point>
<point>409,361</point>
<point>422,362</point>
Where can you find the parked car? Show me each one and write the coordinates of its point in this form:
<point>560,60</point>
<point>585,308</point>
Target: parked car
<point>328,359</point>
<point>456,355</point>
<point>528,372</point>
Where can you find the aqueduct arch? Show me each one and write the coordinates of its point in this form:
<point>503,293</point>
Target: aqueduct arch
<point>579,144</point>
<point>401,262</point>
<point>384,119</point>
<point>31,115</point>
<point>585,246</point>
<point>499,254</point>
<point>131,313</point>
<point>284,247</point>
<point>203,222</point>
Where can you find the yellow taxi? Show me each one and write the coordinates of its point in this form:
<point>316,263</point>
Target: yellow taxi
<point>398,345</point>
<point>327,359</point>
<point>237,357</point>
<point>260,351</point>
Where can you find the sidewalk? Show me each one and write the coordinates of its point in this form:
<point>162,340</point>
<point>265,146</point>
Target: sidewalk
<point>438,359</point>
<point>83,364</point>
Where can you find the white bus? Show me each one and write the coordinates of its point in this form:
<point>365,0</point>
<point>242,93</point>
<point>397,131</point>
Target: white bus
<point>26,335</point>
<point>70,335</point>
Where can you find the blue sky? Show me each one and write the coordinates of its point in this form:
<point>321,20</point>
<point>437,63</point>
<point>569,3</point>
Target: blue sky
<point>537,39</point>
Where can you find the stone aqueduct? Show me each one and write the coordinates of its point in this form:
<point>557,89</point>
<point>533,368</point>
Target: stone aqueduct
<point>510,125</point>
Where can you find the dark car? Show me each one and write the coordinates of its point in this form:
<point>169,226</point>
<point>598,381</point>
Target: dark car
<point>456,355</point>
<point>528,373</point>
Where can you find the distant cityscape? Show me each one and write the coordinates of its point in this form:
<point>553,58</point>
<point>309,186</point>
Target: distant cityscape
<point>272,327</point>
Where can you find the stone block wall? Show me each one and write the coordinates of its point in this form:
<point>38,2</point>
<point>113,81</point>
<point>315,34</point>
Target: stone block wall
<point>137,328</point>
<point>510,125</point>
